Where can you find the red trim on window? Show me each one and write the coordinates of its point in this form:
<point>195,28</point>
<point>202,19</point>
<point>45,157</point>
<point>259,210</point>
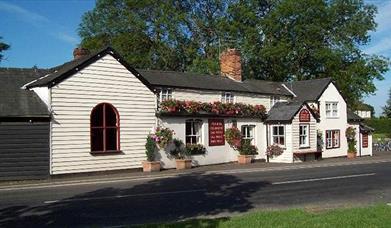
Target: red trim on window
<point>104,128</point>
<point>332,132</point>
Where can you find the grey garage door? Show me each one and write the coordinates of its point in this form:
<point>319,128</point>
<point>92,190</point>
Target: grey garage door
<point>24,150</point>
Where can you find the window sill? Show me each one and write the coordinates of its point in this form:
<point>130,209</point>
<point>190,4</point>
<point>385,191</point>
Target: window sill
<point>332,117</point>
<point>109,152</point>
<point>304,147</point>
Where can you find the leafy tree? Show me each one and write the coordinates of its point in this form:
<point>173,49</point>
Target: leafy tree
<point>279,40</point>
<point>3,47</point>
<point>387,107</point>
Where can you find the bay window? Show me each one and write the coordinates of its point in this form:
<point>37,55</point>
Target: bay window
<point>193,131</point>
<point>278,135</point>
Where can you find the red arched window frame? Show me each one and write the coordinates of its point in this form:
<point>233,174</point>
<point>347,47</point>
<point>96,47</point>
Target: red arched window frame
<point>104,129</point>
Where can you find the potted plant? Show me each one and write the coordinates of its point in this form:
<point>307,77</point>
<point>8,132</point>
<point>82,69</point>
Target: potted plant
<point>246,151</point>
<point>273,151</point>
<point>150,165</point>
<point>181,154</point>
<point>351,138</point>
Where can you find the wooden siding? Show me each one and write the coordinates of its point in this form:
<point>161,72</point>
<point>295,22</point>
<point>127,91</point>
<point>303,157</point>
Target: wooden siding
<point>106,80</point>
<point>24,150</point>
<point>296,132</point>
<point>211,96</point>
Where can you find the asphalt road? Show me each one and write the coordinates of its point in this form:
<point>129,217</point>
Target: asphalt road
<point>196,195</point>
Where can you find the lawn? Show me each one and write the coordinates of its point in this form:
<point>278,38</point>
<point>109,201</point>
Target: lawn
<point>373,216</point>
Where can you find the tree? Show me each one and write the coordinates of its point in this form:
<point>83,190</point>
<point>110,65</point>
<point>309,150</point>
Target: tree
<point>3,47</point>
<point>387,107</point>
<point>279,40</point>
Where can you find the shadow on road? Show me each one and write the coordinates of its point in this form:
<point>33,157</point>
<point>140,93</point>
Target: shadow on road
<point>170,199</point>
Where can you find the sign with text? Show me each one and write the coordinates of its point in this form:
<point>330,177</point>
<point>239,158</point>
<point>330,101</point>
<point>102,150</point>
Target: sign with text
<point>365,140</point>
<point>216,132</point>
<point>304,115</point>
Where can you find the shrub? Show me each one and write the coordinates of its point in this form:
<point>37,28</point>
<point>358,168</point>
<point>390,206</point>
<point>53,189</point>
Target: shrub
<point>150,148</point>
<point>351,138</point>
<point>246,148</point>
<point>179,151</point>
<point>381,125</point>
<point>274,150</point>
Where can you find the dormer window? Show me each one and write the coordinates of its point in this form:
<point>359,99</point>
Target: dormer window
<point>227,97</point>
<point>274,100</point>
<point>164,94</point>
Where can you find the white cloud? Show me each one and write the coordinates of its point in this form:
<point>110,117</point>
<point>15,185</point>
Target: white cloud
<point>39,21</point>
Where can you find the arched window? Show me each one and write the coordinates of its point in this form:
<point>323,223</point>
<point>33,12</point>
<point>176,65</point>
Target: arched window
<point>104,128</point>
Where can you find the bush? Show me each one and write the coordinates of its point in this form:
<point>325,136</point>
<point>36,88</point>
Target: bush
<point>179,151</point>
<point>351,138</point>
<point>162,136</point>
<point>150,149</point>
<point>381,125</point>
<point>246,148</point>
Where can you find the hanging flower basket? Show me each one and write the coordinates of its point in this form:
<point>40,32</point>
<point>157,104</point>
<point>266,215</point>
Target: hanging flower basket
<point>162,137</point>
<point>274,150</point>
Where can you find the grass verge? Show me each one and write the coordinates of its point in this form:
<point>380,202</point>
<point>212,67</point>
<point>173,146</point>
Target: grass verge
<point>372,216</point>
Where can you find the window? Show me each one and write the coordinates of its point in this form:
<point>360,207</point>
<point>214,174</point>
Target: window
<point>164,94</point>
<point>193,131</point>
<point>248,133</point>
<point>278,135</point>
<point>227,97</point>
<point>274,100</point>
<point>332,139</point>
<point>304,135</point>
<point>104,124</point>
<point>331,109</point>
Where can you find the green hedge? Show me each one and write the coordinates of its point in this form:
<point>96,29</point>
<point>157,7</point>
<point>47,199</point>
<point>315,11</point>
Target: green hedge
<point>381,125</point>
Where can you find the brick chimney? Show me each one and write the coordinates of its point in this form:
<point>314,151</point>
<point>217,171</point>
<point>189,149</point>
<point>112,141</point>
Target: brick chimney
<point>80,52</point>
<point>230,65</point>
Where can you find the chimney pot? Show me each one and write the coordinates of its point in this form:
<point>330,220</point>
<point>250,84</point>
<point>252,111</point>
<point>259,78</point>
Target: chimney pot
<point>230,64</point>
<point>80,52</point>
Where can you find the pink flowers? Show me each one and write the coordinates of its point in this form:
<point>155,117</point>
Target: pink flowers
<point>227,109</point>
<point>162,136</point>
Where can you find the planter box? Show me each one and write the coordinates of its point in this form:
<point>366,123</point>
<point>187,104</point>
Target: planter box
<point>351,155</point>
<point>183,164</point>
<point>151,166</point>
<point>245,159</point>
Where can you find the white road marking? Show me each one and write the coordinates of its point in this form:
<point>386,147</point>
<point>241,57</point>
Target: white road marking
<point>125,196</point>
<point>323,178</point>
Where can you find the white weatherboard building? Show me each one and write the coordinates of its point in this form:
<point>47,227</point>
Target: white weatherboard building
<point>95,112</point>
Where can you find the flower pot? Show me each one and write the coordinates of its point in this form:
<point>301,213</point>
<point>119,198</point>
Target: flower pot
<point>183,164</point>
<point>244,159</point>
<point>351,155</point>
<point>151,166</point>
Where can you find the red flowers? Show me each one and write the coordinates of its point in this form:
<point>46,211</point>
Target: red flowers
<point>226,109</point>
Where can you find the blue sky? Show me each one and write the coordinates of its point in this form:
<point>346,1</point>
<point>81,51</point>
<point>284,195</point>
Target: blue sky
<point>44,33</point>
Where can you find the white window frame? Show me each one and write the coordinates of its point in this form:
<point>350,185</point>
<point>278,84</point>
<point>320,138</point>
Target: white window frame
<point>304,136</point>
<point>248,132</point>
<point>279,135</point>
<point>332,141</point>
<point>164,94</point>
<point>227,97</point>
<point>193,131</point>
<point>331,108</point>
<point>274,100</point>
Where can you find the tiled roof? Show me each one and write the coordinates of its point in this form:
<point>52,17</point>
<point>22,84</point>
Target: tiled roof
<point>308,90</point>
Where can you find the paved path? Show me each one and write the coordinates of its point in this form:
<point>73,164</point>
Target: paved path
<point>206,193</point>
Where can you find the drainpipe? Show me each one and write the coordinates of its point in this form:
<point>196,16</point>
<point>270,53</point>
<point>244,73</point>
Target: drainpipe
<point>359,140</point>
<point>267,141</point>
